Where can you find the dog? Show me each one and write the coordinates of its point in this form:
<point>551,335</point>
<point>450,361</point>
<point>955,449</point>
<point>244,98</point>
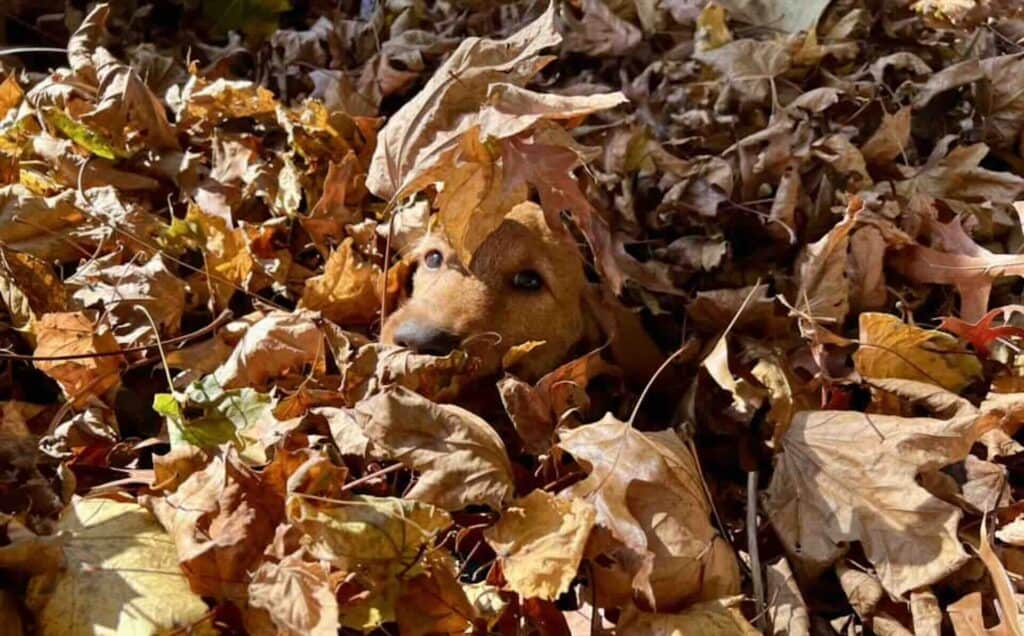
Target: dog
<point>525,283</point>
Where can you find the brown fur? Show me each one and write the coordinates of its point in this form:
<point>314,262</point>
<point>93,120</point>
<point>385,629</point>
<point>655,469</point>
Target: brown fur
<point>479,302</point>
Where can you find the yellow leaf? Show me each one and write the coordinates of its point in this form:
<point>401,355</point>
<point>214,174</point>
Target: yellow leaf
<point>121,577</point>
<point>890,348</point>
<point>714,618</point>
<point>385,540</point>
<point>540,541</point>
<point>712,31</point>
<point>348,292</point>
<point>10,95</point>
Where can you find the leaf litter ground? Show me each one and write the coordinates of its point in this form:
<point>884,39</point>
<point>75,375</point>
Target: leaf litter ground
<point>816,209</point>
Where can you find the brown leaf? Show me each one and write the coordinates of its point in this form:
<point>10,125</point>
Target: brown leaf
<point>298,595</point>
<point>460,458</point>
<point>719,617</point>
<point>846,476</point>
<point>434,120</point>
<point>600,32</point>
<point>132,295</point>
<point>348,292</point>
<point>75,333</point>
<point>279,343</point>
<point>890,139</point>
<point>647,491</point>
<point>540,540</point>
<point>29,288</point>
<point>787,608</point>
<point>221,518</point>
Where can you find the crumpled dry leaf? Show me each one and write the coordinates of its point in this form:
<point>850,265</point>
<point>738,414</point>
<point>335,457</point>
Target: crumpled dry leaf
<point>539,540</point>
<point>280,342</point>
<point>221,517</point>
<point>847,476</point>
<point>348,292</point>
<point>73,334</point>
<point>890,140</point>
<point>889,348</point>
<point>787,608</point>
<point>386,541</point>
<point>29,288</point>
<point>434,120</point>
<point>297,594</point>
<point>132,295</point>
<point>647,491</point>
<point>120,574</point>
<point>460,458</point>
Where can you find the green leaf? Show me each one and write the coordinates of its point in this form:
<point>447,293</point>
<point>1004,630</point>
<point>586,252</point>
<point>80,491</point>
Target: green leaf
<point>239,417</point>
<point>92,140</point>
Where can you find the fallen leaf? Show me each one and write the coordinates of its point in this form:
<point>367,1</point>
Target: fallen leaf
<point>298,595</point>
<point>539,540</point>
<point>890,348</point>
<point>459,457</point>
<point>719,617</point>
<point>120,574</point>
<point>846,476</point>
<point>133,296</point>
<point>220,518</point>
<point>647,491</point>
<point>278,343</point>
<point>787,608</point>
<point>890,140</point>
<point>434,120</point>
<point>348,292</point>
<point>73,334</point>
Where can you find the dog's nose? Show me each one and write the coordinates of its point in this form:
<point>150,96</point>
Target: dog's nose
<point>424,338</point>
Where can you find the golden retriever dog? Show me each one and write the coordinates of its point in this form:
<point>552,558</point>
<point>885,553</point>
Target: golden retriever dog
<point>525,283</point>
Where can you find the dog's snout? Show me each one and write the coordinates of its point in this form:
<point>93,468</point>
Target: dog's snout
<point>425,338</point>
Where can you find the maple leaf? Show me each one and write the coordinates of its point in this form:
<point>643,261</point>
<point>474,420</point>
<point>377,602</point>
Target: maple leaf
<point>540,540</point>
<point>647,493</point>
<point>120,569</point>
<point>460,458</point>
<point>847,476</point>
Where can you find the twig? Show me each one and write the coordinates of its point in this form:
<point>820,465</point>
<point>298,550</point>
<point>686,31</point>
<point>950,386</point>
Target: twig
<point>217,322</point>
<point>755,557</point>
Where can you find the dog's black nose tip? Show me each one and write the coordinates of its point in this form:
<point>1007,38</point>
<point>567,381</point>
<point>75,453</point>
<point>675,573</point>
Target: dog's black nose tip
<point>423,338</point>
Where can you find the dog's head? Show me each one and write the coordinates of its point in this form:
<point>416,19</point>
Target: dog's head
<point>524,283</point>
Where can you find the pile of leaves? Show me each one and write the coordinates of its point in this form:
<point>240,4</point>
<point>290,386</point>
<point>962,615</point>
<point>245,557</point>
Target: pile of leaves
<point>817,208</point>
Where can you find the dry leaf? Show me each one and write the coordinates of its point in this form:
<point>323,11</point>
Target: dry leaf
<point>848,476</point>
<point>891,349</point>
<point>278,343</point>
<point>719,617</point>
<point>540,540</point>
<point>297,594</point>
<point>120,574</point>
<point>348,292</point>
<point>220,518</point>
<point>648,493</point>
<point>74,334</point>
<point>460,458</point>
<point>434,120</point>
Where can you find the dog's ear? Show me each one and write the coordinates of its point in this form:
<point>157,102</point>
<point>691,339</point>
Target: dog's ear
<point>629,346</point>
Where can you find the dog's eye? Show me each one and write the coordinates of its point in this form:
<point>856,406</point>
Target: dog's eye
<point>433,259</point>
<point>527,280</point>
